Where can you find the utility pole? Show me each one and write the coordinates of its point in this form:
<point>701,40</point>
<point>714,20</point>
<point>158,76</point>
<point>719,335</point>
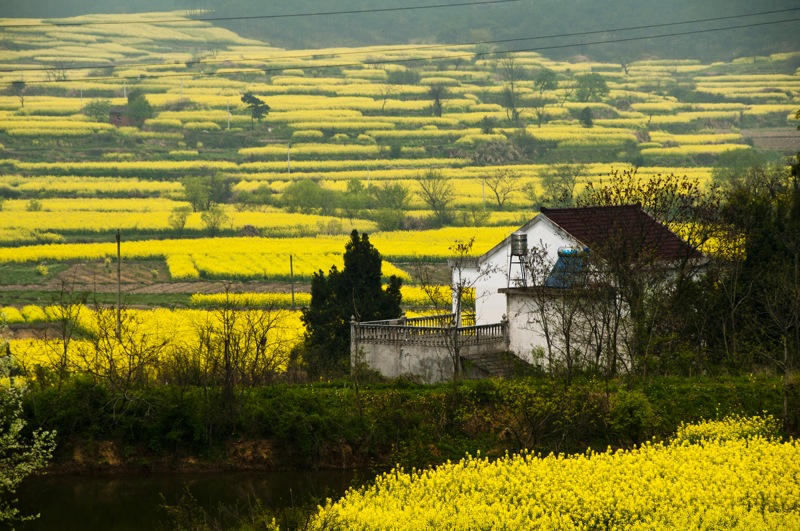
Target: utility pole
<point>119,289</point>
<point>291,277</point>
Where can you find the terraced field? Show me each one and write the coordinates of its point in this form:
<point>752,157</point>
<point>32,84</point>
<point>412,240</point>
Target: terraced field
<point>346,129</point>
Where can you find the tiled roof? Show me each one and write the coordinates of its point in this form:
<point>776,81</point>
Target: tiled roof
<point>623,229</point>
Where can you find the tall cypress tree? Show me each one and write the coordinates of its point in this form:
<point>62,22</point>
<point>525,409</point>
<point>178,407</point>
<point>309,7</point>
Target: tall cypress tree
<point>356,291</point>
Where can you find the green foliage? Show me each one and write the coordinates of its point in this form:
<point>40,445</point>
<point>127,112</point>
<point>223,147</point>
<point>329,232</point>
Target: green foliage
<point>256,106</point>
<point>736,167</point>
<point>203,192</point>
<point>763,210</point>
<point>21,453</point>
<point>403,77</point>
<point>214,219</point>
<point>395,196</point>
<point>437,93</point>
<point>19,89</point>
<point>546,80</point>
<point>262,195</point>
<point>308,197</point>
<point>632,416</point>
<point>389,219</point>
<point>97,109</point>
<point>355,292</point>
<point>488,125</point>
<point>178,217</point>
<point>559,182</point>
<point>139,109</point>
<point>586,118</point>
<point>590,87</point>
<point>329,424</point>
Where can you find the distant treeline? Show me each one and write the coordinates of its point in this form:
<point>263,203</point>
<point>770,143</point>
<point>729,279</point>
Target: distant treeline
<point>538,21</point>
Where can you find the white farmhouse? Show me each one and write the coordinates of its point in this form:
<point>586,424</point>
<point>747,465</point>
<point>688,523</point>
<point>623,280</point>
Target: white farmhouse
<point>534,293</point>
<point>505,289</point>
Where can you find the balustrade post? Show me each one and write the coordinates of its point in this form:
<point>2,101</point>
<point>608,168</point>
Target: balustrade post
<point>506,335</point>
<point>353,341</point>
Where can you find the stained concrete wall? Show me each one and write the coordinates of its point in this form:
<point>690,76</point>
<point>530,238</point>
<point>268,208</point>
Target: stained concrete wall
<point>426,357</point>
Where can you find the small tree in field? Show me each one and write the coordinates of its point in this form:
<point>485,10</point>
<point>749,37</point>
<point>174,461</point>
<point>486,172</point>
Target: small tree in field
<point>590,87</point>
<point>139,109</point>
<point>437,192</point>
<point>97,110</point>
<point>214,219</point>
<point>586,117</point>
<point>178,218</point>
<point>19,88</point>
<point>502,183</point>
<point>255,106</point>
<point>437,93</point>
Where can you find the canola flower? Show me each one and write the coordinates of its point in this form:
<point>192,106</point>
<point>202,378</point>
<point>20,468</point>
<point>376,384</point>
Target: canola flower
<point>411,296</point>
<point>732,477</point>
<point>175,329</point>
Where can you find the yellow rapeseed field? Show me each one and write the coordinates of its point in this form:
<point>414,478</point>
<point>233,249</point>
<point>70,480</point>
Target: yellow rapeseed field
<point>724,475</point>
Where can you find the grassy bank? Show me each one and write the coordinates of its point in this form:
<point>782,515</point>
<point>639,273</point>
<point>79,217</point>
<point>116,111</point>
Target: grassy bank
<point>335,425</point>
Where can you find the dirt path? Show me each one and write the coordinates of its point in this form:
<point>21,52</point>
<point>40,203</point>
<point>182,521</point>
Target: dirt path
<point>783,139</point>
<point>153,278</point>
<point>144,278</point>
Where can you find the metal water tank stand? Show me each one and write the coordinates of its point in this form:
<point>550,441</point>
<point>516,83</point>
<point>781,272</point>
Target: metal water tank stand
<point>519,250</point>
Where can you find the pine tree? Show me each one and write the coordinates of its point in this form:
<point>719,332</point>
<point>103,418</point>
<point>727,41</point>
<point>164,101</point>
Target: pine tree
<point>356,291</point>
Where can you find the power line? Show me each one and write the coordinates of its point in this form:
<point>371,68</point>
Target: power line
<point>260,17</point>
<point>431,46</point>
<point>413,60</point>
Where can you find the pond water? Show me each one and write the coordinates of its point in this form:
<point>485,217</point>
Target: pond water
<point>134,502</point>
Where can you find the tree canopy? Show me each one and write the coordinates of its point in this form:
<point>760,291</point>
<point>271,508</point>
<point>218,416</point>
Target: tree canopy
<point>355,291</point>
<point>256,106</point>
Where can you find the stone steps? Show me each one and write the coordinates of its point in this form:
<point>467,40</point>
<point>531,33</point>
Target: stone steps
<point>497,364</point>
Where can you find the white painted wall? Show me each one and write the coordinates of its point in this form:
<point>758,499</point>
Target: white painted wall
<point>524,330</point>
<point>492,271</point>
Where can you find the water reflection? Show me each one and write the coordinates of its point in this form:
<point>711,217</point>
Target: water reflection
<point>133,502</point>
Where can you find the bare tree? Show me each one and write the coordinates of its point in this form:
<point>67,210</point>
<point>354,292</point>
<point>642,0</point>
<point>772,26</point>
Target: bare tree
<point>546,81</point>
<point>558,305</point>
<point>437,192</point>
<point>647,278</point>
<point>239,347</point>
<point>126,365</point>
<point>437,93</point>
<point>19,89</point>
<point>386,92</point>
<point>511,72</point>
<point>567,90</point>
<point>455,298</point>
<point>65,312</point>
<point>502,183</point>
<point>559,182</point>
<point>59,70</point>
